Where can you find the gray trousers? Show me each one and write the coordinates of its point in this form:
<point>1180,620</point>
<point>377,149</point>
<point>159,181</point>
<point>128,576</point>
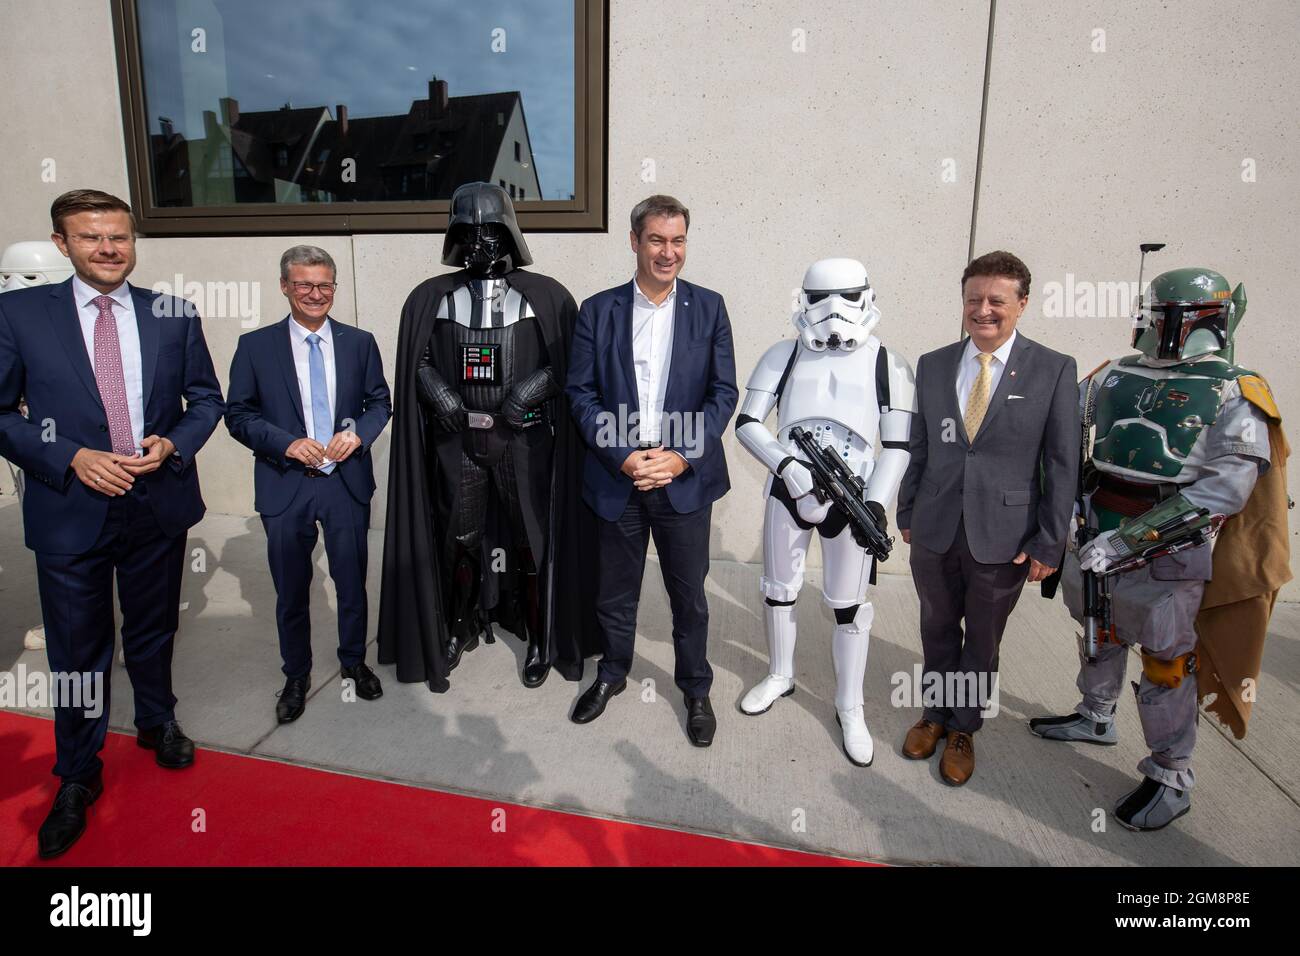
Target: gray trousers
<point>1153,608</point>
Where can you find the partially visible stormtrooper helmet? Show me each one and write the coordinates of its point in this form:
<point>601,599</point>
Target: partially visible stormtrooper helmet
<point>27,264</point>
<point>837,305</point>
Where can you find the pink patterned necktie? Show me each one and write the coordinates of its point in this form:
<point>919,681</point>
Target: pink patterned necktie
<point>109,377</point>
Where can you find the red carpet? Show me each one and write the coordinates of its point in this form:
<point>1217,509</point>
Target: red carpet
<point>263,813</point>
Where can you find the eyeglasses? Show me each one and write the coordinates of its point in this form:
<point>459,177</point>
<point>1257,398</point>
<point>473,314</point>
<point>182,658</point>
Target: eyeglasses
<point>304,288</point>
<point>90,241</point>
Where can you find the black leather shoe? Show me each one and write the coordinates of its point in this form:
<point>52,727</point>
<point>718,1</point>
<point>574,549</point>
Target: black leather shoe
<point>700,722</point>
<point>592,704</point>
<point>365,680</point>
<point>173,749</point>
<point>67,818</point>
<point>535,669</point>
<point>293,699</point>
<point>457,645</point>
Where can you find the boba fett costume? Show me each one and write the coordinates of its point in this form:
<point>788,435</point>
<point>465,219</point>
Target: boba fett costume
<point>1180,434</point>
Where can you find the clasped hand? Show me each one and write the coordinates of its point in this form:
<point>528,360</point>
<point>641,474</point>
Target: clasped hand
<point>312,454</point>
<point>651,468</point>
<point>112,474</point>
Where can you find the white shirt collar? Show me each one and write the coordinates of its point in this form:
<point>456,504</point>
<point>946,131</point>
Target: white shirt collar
<point>84,294</point>
<point>643,299</point>
<point>1001,353</point>
<point>301,331</point>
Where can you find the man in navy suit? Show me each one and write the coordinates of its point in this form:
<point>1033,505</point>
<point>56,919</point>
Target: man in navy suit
<point>121,395</point>
<point>652,385</point>
<point>308,396</point>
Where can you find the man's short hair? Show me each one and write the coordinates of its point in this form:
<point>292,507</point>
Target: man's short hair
<point>999,264</point>
<point>306,256</point>
<point>86,200</point>
<point>657,205</point>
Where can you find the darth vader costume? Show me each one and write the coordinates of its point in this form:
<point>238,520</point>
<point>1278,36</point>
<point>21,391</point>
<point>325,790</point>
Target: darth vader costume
<point>485,517</point>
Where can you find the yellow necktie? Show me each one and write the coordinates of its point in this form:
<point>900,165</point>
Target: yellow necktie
<point>978,402</point>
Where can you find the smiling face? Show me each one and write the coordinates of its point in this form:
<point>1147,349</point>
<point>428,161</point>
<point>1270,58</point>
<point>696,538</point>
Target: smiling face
<point>660,251</point>
<point>991,306</point>
<point>307,301</point>
<point>101,245</point>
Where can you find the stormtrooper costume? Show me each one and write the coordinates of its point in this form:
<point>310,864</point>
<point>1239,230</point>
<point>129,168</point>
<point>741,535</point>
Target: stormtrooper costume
<point>838,382</point>
<point>22,266</point>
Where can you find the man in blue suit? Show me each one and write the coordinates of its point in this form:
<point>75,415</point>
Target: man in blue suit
<point>121,395</point>
<point>652,385</point>
<point>308,396</point>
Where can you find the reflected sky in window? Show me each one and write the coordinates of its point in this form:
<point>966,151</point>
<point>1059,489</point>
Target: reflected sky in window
<point>374,57</point>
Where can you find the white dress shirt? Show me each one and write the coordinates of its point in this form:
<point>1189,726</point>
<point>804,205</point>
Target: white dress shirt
<point>301,362</point>
<point>652,352</point>
<point>969,369</point>
<point>128,340</point>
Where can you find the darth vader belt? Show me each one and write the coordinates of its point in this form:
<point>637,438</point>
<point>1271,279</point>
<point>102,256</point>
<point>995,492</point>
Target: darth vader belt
<point>486,421</point>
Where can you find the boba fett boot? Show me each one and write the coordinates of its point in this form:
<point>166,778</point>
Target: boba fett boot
<point>1152,806</point>
<point>1075,728</point>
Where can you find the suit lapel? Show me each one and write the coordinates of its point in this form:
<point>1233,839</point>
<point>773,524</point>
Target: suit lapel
<point>62,307</point>
<point>284,355</point>
<point>951,373</point>
<point>682,328</point>
<point>146,324</point>
<point>1004,383</point>
<point>623,334</point>
<point>343,372</point>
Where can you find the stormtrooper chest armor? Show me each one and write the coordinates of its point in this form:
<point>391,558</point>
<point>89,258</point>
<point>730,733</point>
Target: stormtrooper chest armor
<point>833,395</point>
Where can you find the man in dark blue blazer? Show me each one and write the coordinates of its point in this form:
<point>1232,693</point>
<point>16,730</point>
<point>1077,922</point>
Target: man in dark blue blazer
<point>652,385</point>
<point>121,395</point>
<point>308,396</point>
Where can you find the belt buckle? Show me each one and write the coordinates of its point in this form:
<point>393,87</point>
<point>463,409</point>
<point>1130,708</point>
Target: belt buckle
<point>480,420</point>
<point>313,472</point>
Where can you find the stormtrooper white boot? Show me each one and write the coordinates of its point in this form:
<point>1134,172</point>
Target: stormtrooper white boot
<point>780,679</point>
<point>849,652</point>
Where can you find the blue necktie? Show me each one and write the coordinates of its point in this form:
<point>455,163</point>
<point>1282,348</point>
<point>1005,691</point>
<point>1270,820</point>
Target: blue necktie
<point>321,419</point>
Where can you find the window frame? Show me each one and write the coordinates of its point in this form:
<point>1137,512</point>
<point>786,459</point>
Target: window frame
<point>586,212</point>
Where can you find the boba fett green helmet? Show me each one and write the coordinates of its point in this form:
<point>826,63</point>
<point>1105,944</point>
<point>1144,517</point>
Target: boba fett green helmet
<point>1188,313</point>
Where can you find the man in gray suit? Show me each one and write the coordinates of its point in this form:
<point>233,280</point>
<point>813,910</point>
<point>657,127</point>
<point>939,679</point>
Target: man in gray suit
<point>986,500</point>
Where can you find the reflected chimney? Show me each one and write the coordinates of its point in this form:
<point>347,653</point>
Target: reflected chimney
<point>229,110</point>
<point>341,111</point>
<point>437,96</point>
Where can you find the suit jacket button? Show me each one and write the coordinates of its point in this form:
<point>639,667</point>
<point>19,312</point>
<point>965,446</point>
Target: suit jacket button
<point>103,428</point>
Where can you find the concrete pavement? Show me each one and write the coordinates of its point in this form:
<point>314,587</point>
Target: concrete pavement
<point>780,778</point>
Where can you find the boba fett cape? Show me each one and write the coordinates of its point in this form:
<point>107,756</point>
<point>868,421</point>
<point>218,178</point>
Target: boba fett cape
<point>412,618</point>
<point>1251,563</point>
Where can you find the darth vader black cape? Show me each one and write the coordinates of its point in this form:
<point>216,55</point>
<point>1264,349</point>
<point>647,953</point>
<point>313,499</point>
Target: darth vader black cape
<point>412,618</point>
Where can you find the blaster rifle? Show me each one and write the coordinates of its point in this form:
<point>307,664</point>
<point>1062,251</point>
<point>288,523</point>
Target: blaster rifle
<point>832,481</point>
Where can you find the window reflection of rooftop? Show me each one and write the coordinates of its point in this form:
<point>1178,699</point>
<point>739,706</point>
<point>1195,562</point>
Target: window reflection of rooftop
<point>313,154</point>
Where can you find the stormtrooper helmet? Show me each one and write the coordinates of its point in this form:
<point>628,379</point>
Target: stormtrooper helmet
<point>27,264</point>
<point>837,307</point>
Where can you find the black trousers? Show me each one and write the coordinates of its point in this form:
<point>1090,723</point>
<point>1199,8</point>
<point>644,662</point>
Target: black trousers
<point>77,607</point>
<point>682,541</point>
<point>953,587</point>
<point>290,539</point>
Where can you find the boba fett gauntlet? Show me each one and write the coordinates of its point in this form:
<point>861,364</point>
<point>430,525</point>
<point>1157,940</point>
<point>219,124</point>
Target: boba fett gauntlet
<point>1172,523</point>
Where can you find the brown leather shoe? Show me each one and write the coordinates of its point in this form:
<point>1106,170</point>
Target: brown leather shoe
<point>922,740</point>
<point>958,760</point>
